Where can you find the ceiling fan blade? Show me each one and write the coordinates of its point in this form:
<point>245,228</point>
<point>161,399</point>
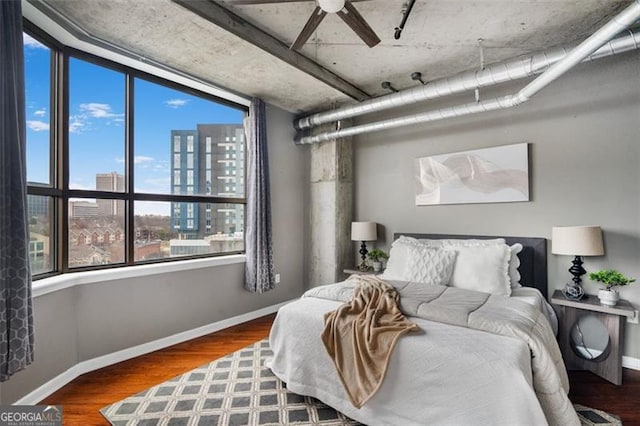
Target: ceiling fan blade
<point>352,17</point>
<point>242,2</point>
<point>312,23</point>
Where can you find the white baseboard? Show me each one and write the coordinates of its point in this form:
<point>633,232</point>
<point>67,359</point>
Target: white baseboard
<point>632,363</point>
<point>83,367</point>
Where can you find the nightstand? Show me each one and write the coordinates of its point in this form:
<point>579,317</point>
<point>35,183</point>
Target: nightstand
<point>586,323</point>
<point>359,272</point>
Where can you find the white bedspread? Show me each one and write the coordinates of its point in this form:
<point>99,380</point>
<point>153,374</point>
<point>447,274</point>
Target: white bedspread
<point>444,375</point>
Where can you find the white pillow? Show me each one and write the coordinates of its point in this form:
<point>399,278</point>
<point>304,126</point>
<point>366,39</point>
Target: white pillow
<point>482,268</point>
<point>514,261</point>
<point>514,264</point>
<point>419,263</point>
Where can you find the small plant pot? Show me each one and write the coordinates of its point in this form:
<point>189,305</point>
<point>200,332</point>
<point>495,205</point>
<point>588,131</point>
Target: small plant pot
<point>377,266</point>
<point>608,297</point>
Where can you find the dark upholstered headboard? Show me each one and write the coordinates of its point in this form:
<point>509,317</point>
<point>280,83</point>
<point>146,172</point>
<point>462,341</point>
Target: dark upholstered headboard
<point>533,257</point>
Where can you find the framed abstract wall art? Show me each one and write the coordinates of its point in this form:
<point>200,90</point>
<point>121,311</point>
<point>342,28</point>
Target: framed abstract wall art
<point>490,175</point>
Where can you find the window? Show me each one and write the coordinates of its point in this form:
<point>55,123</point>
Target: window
<point>96,127</point>
<point>79,198</point>
<point>41,198</point>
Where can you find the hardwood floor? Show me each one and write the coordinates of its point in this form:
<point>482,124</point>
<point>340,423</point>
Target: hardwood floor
<point>82,398</point>
<point>595,392</point>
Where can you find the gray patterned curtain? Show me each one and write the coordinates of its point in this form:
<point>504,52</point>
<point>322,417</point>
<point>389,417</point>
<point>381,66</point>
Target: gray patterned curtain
<point>259,247</point>
<point>16,319</point>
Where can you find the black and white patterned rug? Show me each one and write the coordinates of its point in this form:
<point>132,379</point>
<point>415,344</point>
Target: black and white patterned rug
<point>239,390</point>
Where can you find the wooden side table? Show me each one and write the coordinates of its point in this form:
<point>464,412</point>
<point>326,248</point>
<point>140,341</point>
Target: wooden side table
<point>607,364</point>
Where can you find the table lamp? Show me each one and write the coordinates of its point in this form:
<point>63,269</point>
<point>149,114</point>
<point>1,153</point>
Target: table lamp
<point>363,231</point>
<point>576,241</point>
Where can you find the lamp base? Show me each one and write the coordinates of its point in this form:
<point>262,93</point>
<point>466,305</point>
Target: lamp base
<point>363,256</point>
<point>572,291</point>
<point>577,270</point>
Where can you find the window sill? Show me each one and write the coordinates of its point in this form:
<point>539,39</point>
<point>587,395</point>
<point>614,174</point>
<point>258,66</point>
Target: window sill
<point>62,281</point>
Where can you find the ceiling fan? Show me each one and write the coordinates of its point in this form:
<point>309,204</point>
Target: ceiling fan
<point>343,8</point>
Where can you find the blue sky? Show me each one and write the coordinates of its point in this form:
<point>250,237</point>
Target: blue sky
<point>97,128</point>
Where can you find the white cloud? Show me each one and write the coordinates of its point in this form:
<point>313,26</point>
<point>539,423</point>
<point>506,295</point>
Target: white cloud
<point>139,159</point>
<point>76,124</point>
<point>37,126</point>
<point>97,110</point>
<point>78,185</point>
<point>40,113</point>
<point>32,42</point>
<point>176,103</point>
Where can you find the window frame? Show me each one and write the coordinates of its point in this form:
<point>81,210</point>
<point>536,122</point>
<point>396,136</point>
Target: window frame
<point>59,190</point>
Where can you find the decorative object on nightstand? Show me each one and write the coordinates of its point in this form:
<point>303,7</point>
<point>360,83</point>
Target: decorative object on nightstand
<point>350,271</point>
<point>591,335</point>
<point>576,241</point>
<point>363,232</point>
<point>611,279</point>
<point>376,255</point>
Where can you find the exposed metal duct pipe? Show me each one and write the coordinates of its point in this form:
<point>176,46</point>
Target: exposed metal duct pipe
<point>620,22</point>
<point>467,80</point>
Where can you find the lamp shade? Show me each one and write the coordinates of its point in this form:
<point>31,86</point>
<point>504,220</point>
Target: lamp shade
<point>577,240</point>
<point>364,231</point>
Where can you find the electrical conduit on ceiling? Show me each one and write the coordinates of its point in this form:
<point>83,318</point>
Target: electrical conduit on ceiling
<point>558,62</point>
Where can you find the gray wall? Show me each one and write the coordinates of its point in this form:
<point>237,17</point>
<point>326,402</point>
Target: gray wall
<point>583,132</point>
<point>81,323</point>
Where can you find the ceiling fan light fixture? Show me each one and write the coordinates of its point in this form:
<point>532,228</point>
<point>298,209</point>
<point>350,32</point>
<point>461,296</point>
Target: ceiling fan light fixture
<point>331,6</point>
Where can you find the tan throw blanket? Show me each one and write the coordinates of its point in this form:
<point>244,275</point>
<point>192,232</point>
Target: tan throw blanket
<point>360,335</point>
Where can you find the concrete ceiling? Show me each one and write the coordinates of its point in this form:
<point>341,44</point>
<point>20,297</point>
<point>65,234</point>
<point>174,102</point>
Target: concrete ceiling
<point>440,38</point>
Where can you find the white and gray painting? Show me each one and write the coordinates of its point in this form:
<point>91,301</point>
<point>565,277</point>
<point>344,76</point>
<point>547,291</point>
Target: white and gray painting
<point>490,175</point>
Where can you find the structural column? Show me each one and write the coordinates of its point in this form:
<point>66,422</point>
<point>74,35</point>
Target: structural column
<point>331,209</point>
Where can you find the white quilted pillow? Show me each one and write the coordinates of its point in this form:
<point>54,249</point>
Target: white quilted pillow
<point>482,268</point>
<point>419,263</point>
<point>431,266</point>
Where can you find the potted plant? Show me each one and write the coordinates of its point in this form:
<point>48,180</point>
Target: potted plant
<point>376,256</point>
<point>610,278</point>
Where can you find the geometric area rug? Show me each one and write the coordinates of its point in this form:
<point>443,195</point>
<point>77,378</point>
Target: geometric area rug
<point>240,390</point>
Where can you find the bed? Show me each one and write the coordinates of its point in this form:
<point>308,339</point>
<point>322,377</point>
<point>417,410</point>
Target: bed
<point>442,375</point>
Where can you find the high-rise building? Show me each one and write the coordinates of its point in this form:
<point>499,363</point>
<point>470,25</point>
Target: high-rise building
<point>83,209</point>
<point>112,182</point>
<point>208,161</point>
<point>38,206</point>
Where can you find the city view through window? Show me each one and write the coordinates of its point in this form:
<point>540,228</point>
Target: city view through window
<point>183,146</point>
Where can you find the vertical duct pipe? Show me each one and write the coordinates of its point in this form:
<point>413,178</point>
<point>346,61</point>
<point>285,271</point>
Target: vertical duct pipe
<point>620,22</point>
<point>467,80</point>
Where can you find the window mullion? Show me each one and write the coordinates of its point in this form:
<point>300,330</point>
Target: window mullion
<point>62,159</point>
<point>129,170</point>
